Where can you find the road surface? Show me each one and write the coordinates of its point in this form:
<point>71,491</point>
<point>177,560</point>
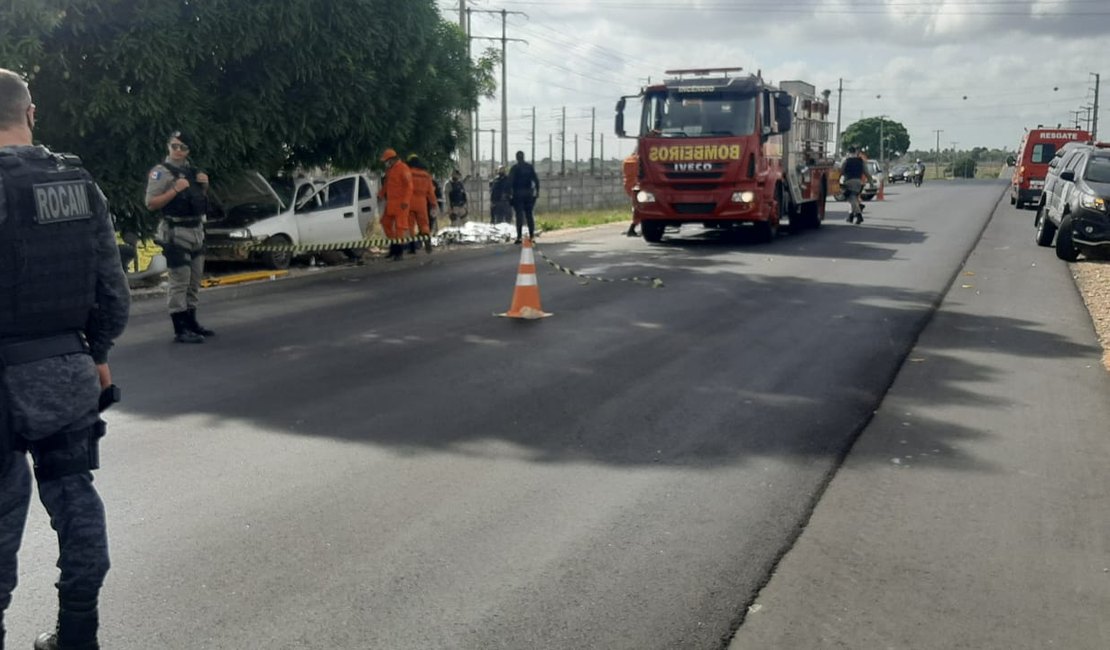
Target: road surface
<point>369,459</point>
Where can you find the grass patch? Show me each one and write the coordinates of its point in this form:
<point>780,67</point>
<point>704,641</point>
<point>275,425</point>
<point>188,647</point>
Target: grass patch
<point>560,220</point>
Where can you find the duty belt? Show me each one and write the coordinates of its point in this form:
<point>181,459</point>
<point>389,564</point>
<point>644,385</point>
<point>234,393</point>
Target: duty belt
<point>19,352</point>
<point>183,222</point>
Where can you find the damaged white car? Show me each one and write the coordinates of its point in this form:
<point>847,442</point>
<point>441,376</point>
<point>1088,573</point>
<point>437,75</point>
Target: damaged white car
<point>248,210</point>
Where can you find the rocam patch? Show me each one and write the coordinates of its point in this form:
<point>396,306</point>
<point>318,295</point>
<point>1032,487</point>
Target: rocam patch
<point>61,201</point>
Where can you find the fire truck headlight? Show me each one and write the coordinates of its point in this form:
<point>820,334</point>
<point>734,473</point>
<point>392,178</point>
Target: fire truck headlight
<point>645,197</point>
<point>743,197</point>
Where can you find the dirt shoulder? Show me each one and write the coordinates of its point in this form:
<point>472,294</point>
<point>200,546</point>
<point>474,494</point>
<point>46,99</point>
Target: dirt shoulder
<point>1092,277</point>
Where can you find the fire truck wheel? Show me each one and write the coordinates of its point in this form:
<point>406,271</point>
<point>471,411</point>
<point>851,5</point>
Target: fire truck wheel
<point>765,232</point>
<point>653,232</point>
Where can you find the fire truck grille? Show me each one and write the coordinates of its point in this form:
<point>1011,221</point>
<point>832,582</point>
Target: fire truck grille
<point>695,187</point>
<point>694,176</point>
<point>694,208</point>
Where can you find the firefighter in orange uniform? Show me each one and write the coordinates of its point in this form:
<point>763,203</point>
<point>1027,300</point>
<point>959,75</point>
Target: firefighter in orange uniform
<point>630,169</point>
<point>423,201</point>
<point>397,192</point>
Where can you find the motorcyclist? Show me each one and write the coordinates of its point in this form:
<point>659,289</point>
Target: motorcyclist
<point>918,172</point>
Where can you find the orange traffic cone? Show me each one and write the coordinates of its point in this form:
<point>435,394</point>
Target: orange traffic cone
<point>526,296</point>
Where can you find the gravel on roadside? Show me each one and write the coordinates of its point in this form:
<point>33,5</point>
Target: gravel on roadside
<point>1092,277</point>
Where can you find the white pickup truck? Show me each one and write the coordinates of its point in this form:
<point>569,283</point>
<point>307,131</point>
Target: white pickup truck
<point>249,210</point>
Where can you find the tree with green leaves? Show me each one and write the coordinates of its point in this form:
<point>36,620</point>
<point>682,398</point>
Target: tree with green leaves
<point>864,135</point>
<point>262,86</point>
<point>964,166</point>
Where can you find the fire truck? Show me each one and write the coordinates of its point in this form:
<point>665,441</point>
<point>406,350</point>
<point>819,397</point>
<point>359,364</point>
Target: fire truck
<point>729,150</point>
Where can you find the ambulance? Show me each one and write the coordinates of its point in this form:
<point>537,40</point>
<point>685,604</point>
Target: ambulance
<point>1036,150</point>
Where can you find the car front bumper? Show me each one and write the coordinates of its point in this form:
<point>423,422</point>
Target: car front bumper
<point>1090,228</point>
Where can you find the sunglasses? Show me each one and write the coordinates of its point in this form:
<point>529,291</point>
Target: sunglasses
<point>179,147</point>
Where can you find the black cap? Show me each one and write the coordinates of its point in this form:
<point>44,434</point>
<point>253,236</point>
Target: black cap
<point>184,137</point>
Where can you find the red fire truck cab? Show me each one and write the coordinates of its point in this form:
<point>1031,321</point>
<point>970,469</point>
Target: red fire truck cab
<point>726,151</point>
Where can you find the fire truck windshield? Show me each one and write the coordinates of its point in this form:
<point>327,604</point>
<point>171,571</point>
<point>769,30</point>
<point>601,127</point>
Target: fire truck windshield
<point>687,115</point>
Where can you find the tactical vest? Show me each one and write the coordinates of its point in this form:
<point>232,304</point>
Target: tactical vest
<point>47,247</point>
<point>188,207</point>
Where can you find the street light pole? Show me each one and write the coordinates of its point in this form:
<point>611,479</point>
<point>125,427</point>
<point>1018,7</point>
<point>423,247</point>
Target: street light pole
<point>882,145</point>
<point>936,161</point>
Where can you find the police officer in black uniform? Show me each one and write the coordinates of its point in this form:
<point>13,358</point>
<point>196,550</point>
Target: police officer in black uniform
<point>180,191</point>
<point>63,301</point>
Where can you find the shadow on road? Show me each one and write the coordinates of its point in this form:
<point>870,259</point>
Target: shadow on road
<point>760,367</point>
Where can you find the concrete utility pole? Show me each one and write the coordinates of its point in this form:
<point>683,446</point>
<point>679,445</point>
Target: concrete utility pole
<point>466,148</point>
<point>936,161</point>
<point>504,73</point>
<point>575,153</point>
<point>533,158</point>
<point>593,134</point>
<point>477,146</point>
<point>601,156</point>
<point>839,99</point>
<point>563,137</point>
<point>882,144</point>
<point>1094,118</point>
<point>550,154</point>
<point>492,156</point>
<point>474,134</point>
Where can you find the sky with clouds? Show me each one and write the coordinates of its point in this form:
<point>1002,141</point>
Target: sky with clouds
<point>980,71</point>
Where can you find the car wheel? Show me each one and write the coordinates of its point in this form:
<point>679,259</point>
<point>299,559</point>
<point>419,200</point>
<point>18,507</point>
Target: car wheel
<point>1046,230</point>
<point>277,259</point>
<point>652,231</point>
<point>1065,247</point>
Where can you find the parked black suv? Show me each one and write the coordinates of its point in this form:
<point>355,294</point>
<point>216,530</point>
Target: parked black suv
<point>1073,205</point>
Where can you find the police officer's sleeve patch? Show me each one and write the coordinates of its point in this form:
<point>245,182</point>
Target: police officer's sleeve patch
<point>62,201</point>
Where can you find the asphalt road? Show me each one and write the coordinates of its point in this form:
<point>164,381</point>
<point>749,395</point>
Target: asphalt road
<point>369,459</point>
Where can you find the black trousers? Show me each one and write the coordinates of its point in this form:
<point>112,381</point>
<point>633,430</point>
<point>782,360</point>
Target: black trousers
<point>76,515</point>
<point>522,206</point>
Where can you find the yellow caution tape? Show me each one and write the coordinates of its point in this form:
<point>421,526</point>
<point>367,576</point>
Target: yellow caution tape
<point>311,248</point>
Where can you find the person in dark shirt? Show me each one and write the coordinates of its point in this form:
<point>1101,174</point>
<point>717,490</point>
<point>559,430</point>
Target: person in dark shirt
<point>63,302</point>
<point>852,174</point>
<point>456,197</point>
<point>500,193</point>
<point>526,187</point>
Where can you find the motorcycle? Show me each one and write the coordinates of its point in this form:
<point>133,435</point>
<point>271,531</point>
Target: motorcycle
<point>918,177</point>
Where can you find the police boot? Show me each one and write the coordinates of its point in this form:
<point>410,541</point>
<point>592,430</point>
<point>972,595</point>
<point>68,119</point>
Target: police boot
<point>196,327</point>
<point>181,331</point>
<point>76,630</point>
